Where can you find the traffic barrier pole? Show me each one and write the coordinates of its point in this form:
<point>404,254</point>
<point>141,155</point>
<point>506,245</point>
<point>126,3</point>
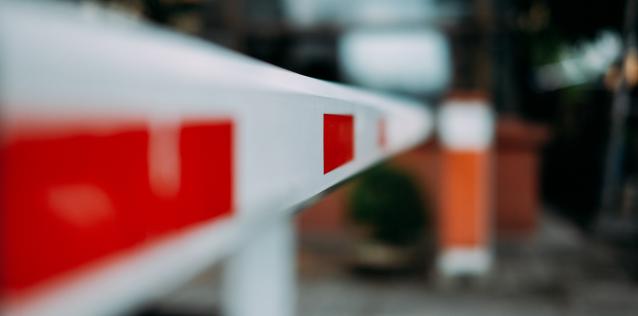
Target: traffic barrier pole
<point>466,129</point>
<point>133,158</point>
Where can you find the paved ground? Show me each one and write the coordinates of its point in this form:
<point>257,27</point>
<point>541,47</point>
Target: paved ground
<point>556,273</point>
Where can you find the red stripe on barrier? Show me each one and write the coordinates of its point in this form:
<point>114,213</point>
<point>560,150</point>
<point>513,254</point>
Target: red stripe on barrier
<point>338,140</point>
<point>381,136</point>
<point>68,201</point>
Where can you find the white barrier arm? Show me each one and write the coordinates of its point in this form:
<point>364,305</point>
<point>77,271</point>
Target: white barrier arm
<point>132,158</point>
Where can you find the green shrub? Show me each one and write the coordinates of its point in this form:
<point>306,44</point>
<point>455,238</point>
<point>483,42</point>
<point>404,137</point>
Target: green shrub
<point>386,202</point>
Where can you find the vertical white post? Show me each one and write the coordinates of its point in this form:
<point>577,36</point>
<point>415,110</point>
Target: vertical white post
<point>260,278</point>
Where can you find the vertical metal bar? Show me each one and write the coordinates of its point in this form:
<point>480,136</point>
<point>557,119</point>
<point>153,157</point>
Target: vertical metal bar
<point>260,278</point>
<point>613,171</point>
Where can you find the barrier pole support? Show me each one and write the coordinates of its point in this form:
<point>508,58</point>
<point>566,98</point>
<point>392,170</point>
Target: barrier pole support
<point>260,277</point>
<point>466,128</point>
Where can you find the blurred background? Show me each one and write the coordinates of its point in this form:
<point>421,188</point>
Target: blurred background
<point>560,228</point>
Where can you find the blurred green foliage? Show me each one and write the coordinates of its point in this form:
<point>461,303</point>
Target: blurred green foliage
<point>388,203</point>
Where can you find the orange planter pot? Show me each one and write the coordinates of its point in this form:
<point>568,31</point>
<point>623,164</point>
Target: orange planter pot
<point>517,176</point>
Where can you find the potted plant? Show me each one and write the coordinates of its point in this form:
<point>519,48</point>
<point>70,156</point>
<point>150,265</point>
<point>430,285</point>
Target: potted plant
<point>388,218</point>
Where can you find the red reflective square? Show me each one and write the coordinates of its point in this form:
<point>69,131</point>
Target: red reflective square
<point>68,200</point>
<point>381,136</point>
<point>338,140</point>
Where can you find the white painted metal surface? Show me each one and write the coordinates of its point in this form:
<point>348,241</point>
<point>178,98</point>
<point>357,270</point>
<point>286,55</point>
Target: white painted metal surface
<point>466,125</point>
<point>59,63</point>
<point>260,278</point>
